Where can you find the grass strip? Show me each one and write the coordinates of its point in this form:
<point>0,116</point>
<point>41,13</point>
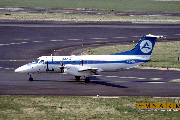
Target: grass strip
<point>74,107</point>
<point>82,18</point>
<point>121,5</point>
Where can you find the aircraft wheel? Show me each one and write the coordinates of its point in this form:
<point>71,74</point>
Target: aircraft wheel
<point>30,79</point>
<point>77,77</point>
<point>87,80</point>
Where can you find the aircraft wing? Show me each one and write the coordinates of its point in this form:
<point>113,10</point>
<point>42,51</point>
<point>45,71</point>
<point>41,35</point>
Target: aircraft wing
<point>82,68</point>
<point>79,70</point>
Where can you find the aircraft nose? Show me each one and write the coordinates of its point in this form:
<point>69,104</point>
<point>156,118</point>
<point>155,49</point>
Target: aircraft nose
<point>16,70</point>
<point>19,69</point>
<point>22,69</point>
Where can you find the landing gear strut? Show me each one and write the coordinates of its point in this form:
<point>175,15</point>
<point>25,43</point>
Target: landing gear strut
<point>87,80</point>
<point>30,79</point>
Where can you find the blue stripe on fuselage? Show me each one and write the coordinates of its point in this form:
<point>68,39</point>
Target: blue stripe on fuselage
<point>130,61</point>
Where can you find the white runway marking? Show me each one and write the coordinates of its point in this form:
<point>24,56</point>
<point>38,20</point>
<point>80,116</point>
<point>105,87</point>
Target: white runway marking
<point>127,77</point>
<point>111,76</point>
<point>56,40</point>
<point>15,43</point>
<point>175,80</point>
<point>24,42</point>
<point>119,37</point>
<point>99,41</point>
<point>99,38</point>
<point>136,36</point>
<point>75,39</point>
<point>141,78</point>
<point>156,78</point>
<point>38,41</point>
<point>21,39</point>
<point>12,43</point>
<point>9,68</point>
<point>4,44</point>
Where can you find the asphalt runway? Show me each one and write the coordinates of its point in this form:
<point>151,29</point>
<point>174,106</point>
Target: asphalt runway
<point>21,42</point>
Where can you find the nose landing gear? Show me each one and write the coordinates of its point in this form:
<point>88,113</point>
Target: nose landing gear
<point>30,79</point>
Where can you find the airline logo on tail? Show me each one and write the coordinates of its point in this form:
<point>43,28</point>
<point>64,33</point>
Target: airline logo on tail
<point>146,46</point>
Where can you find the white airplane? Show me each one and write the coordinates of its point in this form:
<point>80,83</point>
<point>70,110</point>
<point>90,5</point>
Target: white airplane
<point>86,65</point>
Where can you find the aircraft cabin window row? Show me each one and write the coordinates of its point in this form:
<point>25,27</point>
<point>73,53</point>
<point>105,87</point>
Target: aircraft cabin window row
<point>70,62</point>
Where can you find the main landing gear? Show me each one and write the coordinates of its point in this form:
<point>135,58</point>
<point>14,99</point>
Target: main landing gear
<point>87,80</point>
<point>77,77</point>
<point>30,79</point>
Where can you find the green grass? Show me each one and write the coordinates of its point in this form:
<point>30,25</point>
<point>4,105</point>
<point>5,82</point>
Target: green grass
<point>66,107</point>
<point>121,5</point>
<point>165,54</point>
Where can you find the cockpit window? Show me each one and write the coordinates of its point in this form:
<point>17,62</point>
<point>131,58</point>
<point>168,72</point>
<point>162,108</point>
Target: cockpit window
<point>36,61</point>
<point>42,62</point>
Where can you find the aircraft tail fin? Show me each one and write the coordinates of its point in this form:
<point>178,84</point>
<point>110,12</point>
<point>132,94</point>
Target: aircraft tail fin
<point>143,47</point>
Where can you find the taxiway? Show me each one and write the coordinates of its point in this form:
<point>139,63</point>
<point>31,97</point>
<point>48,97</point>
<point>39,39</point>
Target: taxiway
<point>21,42</point>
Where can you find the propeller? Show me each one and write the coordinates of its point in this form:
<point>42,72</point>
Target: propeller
<point>62,67</point>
